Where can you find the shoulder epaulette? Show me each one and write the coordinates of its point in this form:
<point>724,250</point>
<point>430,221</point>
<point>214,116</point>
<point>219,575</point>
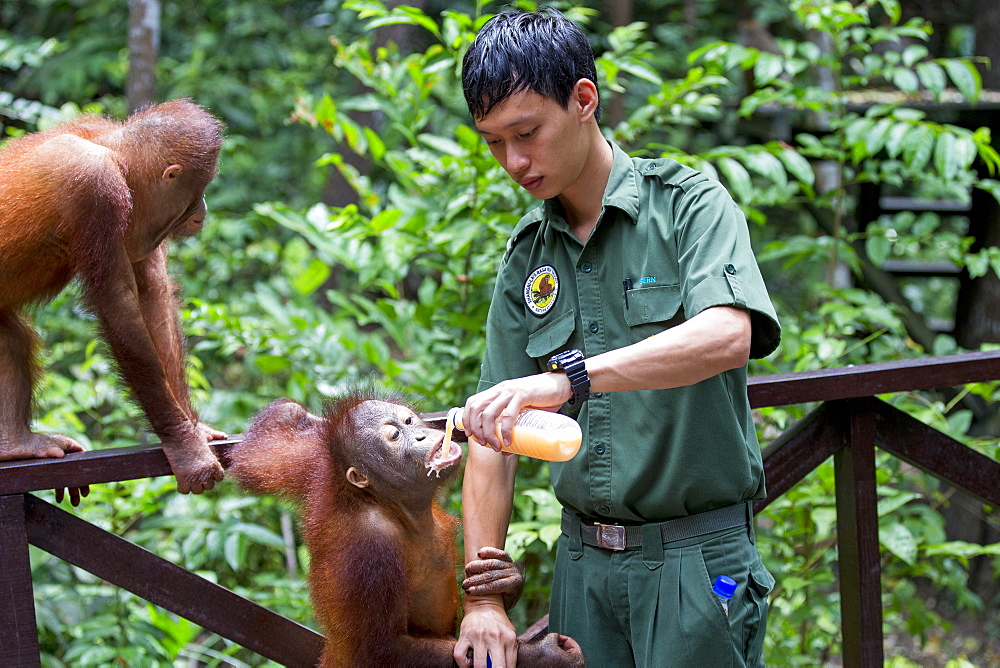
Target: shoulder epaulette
<point>671,172</point>
<point>527,224</point>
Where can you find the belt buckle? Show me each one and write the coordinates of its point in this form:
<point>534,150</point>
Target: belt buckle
<point>610,536</point>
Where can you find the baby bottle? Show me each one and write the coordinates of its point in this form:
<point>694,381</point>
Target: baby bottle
<point>540,434</point>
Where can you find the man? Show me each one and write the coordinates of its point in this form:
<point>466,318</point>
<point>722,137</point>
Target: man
<point>630,299</point>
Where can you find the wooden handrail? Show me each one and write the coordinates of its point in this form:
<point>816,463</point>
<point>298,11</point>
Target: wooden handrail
<point>848,425</point>
<point>868,380</point>
<point>201,601</point>
<point>131,463</point>
<point>93,467</point>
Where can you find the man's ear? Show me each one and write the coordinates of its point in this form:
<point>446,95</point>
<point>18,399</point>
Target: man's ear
<point>357,478</point>
<point>586,96</point>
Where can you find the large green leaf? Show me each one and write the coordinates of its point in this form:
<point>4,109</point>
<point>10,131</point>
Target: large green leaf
<point>899,540</point>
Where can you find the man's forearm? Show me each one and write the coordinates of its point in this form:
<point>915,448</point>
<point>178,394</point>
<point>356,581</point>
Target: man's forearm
<point>487,499</point>
<point>715,340</point>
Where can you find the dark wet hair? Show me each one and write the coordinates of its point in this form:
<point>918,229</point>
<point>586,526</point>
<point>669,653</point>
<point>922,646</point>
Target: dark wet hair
<point>540,51</point>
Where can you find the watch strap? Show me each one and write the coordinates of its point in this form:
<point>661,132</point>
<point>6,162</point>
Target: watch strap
<point>572,363</point>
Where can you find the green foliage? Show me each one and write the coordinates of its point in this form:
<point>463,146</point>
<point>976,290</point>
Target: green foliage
<point>285,295</point>
<point>867,139</point>
<point>415,259</point>
<point>430,167</point>
<point>246,62</point>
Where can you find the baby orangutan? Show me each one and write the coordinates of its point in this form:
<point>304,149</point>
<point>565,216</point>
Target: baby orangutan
<point>366,477</point>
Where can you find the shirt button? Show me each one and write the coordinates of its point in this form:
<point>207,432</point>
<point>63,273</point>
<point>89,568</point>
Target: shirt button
<point>599,449</point>
<point>730,269</point>
<point>597,395</point>
<point>604,509</point>
<point>651,166</point>
<point>593,327</point>
<point>586,267</point>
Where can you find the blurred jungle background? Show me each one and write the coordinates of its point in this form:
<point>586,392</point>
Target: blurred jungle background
<point>358,220</point>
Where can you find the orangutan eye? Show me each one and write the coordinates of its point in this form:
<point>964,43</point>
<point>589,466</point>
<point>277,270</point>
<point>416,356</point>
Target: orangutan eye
<point>391,433</point>
<point>409,421</point>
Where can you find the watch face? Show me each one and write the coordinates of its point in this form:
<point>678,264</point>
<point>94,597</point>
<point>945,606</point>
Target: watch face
<point>560,360</point>
<point>573,364</point>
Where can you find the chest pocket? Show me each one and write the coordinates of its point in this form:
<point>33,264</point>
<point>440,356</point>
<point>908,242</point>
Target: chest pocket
<point>551,336</point>
<point>652,310</point>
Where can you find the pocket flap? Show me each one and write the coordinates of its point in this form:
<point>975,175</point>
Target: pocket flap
<point>654,304</point>
<point>550,336</point>
<point>760,579</point>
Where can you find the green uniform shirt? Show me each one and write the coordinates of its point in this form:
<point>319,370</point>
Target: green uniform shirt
<point>670,242</point>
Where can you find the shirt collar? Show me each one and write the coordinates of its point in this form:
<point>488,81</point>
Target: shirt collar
<point>622,191</point>
<point>623,188</point>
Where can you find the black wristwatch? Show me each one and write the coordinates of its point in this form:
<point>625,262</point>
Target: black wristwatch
<point>572,364</point>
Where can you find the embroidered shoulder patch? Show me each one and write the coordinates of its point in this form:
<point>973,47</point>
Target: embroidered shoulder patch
<point>541,289</point>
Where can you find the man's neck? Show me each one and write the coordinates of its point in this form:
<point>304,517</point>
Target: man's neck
<point>583,201</point>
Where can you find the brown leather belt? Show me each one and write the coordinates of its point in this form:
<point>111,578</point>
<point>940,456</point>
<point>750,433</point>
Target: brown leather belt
<point>629,536</point>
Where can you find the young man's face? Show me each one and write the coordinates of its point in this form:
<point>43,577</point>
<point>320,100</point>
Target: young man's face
<point>541,145</point>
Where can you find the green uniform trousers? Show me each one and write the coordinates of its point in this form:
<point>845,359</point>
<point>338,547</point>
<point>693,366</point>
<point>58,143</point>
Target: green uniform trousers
<point>654,606</point>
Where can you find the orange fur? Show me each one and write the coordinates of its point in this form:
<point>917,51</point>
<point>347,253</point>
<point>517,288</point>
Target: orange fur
<point>383,557</point>
<point>95,200</point>
<point>382,550</point>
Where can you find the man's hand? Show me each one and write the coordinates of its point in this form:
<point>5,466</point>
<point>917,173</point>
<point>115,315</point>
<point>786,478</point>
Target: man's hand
<point>488,417</point>
<point>486,630</point>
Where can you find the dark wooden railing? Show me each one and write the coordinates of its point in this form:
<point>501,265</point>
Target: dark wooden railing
<point>848,425</point>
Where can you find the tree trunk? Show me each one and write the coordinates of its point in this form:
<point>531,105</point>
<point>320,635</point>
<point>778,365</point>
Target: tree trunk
<point>976,314</point>
<point>143,48</point>
<point>337,191</point>
<point>621,15</point>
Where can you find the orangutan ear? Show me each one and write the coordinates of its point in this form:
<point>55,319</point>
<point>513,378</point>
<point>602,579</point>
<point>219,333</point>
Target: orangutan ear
<point>357,478</point>
<point>172,172</point>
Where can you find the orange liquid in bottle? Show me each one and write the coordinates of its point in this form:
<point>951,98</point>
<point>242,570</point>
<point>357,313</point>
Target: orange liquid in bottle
<point>540,434</point>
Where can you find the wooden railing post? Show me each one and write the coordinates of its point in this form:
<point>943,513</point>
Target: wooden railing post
<point>857,539</point>
<point>18,634</point>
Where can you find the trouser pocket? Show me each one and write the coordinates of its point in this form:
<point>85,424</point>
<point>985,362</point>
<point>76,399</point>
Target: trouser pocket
<point>704,624</point>
<point>734,555</point>
<point>759,586</point>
